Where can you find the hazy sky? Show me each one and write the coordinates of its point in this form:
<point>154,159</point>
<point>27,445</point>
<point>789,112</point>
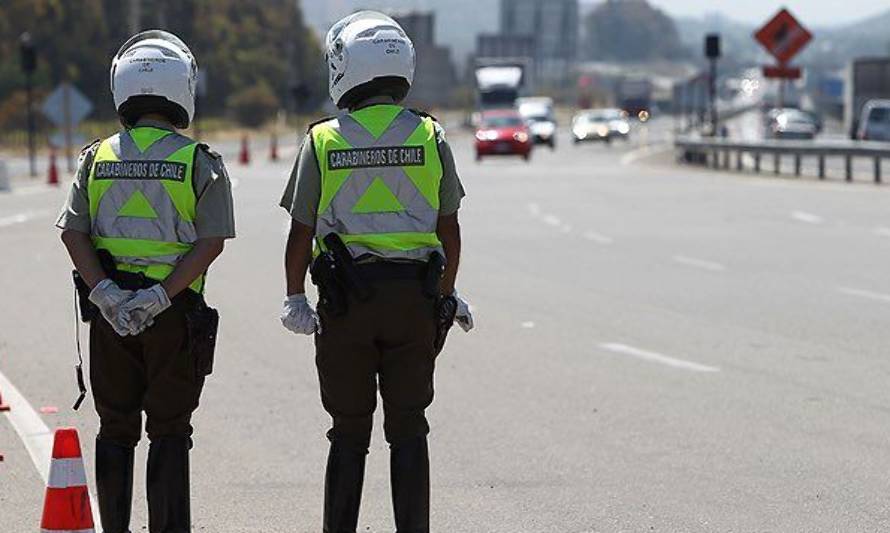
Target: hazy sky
<point>810,12</point>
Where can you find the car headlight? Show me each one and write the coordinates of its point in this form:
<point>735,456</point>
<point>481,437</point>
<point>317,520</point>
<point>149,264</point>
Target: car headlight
<point>623,128</point>
<point>487,135</point>
<point>545,129</point>
<point>521,136</point>
<point>580,132</point>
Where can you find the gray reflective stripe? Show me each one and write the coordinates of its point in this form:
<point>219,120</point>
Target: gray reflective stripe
<point>64,473</point>
<point>148,261</point>
<point>418,254</point>
<point>419,216</point>
<point>169,226</point>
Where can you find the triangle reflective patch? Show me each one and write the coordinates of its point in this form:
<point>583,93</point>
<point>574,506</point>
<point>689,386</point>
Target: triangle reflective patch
<point>378,199</point>
<point>137,206</point>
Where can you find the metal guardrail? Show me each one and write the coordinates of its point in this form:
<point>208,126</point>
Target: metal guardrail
<point>718,153</point>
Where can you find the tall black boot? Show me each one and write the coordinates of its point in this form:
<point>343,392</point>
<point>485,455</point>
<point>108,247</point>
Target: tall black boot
<point>409,470</point>
<point>114,485</point>
<point>343,482</point>
<point>167,483</point>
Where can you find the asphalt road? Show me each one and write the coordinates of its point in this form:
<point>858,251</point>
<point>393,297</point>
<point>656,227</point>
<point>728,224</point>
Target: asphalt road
<point>658,348</point>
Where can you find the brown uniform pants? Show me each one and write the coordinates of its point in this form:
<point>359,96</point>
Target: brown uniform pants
<point>389,340</point>
<point>152,372</point>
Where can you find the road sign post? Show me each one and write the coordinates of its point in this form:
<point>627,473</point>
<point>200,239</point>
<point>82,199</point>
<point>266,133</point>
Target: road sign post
<point>28,54</point>
<point>783,37</point>
<point>712,52</point>
<point>66,107</point>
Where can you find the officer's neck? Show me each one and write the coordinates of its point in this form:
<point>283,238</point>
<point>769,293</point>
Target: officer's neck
<point>374,100</point>
<point>155,118</point>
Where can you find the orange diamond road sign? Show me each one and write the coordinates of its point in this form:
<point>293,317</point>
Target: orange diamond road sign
<point>783,36</point>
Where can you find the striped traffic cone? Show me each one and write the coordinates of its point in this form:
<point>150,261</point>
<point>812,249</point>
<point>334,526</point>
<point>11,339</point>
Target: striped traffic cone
<point>67,504</point>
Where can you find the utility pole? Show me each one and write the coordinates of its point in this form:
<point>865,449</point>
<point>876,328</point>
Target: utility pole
<point>29,65</point>
<point>712,52</point>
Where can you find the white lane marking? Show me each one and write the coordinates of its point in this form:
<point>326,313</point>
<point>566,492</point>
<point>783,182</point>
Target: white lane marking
<point>528,325</point>
<point>644,152</point>
<point>20,218</point>
<point>655,357</point>
<point>235,182</point>
<point>803,216</point>
<point>870,295</point>
<point>598,238</point>
<point>35,435</point>
<point>32,189</point>
<point>703,264</point>
<point>551,220</point>
<point>883,231</point>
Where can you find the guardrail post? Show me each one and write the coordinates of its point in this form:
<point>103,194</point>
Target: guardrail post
<point>738,162</point>
<point>849,167</point>
<point>797,164</point>
<point>821,167</point>
<point>777,163</point>
<point>878,169</point>
<point>757,162</point>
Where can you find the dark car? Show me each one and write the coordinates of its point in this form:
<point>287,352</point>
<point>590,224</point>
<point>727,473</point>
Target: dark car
<point>790,123</point>
<point>503,133</point>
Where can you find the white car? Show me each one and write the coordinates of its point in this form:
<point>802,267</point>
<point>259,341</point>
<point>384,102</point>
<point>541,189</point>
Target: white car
<point>541,119</point>
<point>875,122</point>
<point>600,125</point>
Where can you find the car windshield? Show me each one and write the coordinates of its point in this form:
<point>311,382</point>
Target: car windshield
<point>880,114</point>
<point>505,121</point>
<point>602,116</point>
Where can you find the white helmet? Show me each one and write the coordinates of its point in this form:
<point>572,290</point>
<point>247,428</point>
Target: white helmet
<point>368,54</point>
<point>154,71</point>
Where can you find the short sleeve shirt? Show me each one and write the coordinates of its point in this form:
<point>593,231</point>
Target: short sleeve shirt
<point>303,191</point>
<point>214,211</point>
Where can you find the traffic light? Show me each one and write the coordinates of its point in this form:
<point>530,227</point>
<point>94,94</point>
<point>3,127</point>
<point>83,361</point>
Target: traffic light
<point>712,46</point>
<point>28,53</point>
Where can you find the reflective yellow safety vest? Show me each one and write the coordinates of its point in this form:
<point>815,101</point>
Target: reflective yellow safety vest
<point>142,201</point>
<point>380,176</point>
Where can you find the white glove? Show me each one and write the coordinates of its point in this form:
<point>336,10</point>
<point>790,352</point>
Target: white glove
<point>145,305</point>
<point>463,317</point>
<point>109,298</point>
<point>298,316</point>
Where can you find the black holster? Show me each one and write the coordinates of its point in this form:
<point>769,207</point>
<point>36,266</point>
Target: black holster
<point>203,325</point>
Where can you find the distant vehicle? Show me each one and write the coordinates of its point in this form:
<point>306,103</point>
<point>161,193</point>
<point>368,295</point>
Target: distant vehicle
<point>498,83</point>
<point>875,122</point>
<point>635,95</point>
<point>867,79</point>
<point>789,123</point>
<point>503,132</point>
<point>600,125</point>
<point>539,114</point>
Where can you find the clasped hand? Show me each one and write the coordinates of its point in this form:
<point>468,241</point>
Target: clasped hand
<point>129,312</point>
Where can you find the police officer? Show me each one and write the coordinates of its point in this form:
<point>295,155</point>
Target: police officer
<point>381,180</point>
<point>148,213</point>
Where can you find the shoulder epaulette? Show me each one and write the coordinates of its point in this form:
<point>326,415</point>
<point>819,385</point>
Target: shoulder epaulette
<point>317,122</point>
<point>209,151</point>
<point>423,114</point>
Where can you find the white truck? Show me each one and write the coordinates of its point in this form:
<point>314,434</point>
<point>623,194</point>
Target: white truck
<point>867,79</point>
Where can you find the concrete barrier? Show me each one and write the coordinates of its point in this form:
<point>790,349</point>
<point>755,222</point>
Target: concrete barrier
<point>4,178</point>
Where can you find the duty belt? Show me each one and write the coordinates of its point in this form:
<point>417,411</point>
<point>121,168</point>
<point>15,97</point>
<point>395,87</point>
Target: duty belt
<point>389,271</point>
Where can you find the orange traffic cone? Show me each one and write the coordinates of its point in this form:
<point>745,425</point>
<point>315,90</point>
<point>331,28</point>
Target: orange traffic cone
<point>53,177</point>
<point>67,504</point>
<point>244,156</point>
<point>273,148</point>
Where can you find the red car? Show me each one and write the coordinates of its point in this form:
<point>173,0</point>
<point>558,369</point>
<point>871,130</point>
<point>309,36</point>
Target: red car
<point>503,133</point>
